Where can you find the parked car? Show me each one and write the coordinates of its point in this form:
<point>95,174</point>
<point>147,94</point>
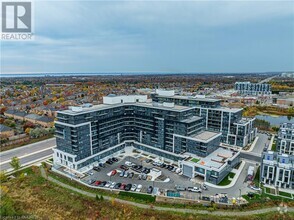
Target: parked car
<point>194,189</point>
<point>112,185</point>
<point>139,188</point>
<point>131,174</point>
<point>150,189</point>
<point>90,173</point>
<point>129,164</point>
<point>97,183</point>
<point>117,186</point>
<point>108,184</point>
<point>114,159</point>
<point>109,162</point>
<point>134,187</point>
<point>91,181</point>
<point>113,172</point>
<point>180,188</point>
<point>205,198</point>
<point>96,169</point>
<point>126,174</point>
<point>101,165</point>
<point>144,177</point>
<point>224,199</point>
<point>128,187</point>
<point>174,169</point>
<point>178,170</point>
<point>122,173</point>
<point>148,161</point>
<point>154,163</point>
<point>123,167</point>
<point>122,186</point>
<point>255,188</point>
<point>102,184</point>
<point>171,168</point>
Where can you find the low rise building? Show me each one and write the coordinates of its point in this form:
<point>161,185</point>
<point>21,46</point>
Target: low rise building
<point>214,167</point>
<point>5,131</point>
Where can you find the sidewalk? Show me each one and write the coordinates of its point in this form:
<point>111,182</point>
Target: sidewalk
<point>233,182</point>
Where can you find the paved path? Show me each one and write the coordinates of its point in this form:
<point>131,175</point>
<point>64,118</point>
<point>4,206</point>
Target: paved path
<point>192,211</point>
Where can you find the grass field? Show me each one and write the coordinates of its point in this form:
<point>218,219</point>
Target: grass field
<point>226,180</point>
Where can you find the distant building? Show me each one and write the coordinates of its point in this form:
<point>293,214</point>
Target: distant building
<point>248,88</point>
<point>5,131</point>
<point>277,170</point>
<point>34,118</point>
<point>285,143</point>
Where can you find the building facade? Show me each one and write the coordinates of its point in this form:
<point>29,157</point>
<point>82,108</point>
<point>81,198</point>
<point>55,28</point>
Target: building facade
<point>235,129</point>
<point>248,88</point>
<point>277,170</point>
<point>84,135</point>
<point>285,141</point>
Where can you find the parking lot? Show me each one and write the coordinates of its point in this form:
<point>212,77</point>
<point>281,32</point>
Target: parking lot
<point>168,182</point>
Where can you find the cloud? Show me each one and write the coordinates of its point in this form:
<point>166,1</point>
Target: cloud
<point>152,35</point>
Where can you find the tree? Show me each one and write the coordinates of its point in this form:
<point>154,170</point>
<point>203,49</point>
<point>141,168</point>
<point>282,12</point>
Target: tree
<point>15,163</point>
<point>3,176</point>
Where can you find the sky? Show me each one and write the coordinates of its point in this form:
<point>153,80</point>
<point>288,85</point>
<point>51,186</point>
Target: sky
<point>155,36</point>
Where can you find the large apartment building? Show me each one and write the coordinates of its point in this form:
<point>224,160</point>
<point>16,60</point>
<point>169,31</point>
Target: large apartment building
<point>248,88</point>
<point>88,134</point>
<point>236,130</point>
<point>277,168</point>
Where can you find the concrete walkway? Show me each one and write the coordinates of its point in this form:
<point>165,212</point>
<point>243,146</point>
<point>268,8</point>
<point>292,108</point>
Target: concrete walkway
<point>144,206</point>
<point>234,180</point>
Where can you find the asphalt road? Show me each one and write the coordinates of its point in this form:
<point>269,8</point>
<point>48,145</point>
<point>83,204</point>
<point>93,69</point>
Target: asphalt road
<point>28,153</point>
<point>263,140</point>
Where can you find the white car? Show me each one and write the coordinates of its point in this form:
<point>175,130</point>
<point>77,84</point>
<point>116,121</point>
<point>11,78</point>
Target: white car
<point>134,187</point>
<point>139,188</point>
<point>112,185</point>
<point>90,173</point>
<point>129,164</point>
<point>194,189</point>
<point>178,170</point>
<point>108,184</point>
<point>255,188</point>
<point>126,174</point>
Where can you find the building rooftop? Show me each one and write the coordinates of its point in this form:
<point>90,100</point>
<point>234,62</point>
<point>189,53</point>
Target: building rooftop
<point>206,135</point>
<point>217,158</point>
<point>4,128</point>
<point>82,110</point>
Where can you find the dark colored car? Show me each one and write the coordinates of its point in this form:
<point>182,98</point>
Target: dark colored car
<point>117,186</point>
<point>96,169</point>
<point>123,167</point>
<point>171,168</point>
<point>109,161</point>
<point>131,174</point>
<point>128,187</point>
<point>103,183</point>
<point>149,161</point>
<point>114,159</point>
<point>101,165</point>
<point>205,198</point>
<point>150,189</point>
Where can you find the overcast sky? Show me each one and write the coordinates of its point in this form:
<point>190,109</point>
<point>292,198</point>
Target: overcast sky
<point>168,36</point>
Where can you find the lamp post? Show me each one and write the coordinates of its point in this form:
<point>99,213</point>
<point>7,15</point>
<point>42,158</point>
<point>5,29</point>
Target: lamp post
<point>240,193</point>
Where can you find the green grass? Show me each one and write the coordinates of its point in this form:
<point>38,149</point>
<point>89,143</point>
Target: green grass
<point>256,178</point>
<point>195,160</point>
<point>137,197</point>
<point>226,180</point>
<point>285,194</point>
<point>274,147</point>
